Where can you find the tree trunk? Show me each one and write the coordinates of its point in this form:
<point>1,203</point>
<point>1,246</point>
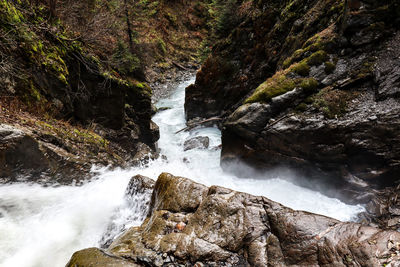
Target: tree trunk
<point>52,6</point>
<point>128,25</point>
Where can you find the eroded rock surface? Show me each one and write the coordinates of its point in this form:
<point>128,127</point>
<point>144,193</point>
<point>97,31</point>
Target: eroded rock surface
<point>189,224</point>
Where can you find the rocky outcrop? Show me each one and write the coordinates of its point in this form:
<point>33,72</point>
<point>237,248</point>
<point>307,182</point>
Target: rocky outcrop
<point>196,142</point>
<point>35,151</point>
<point>190,224</point>
<point>266,33</point>
<point>55,79</point>
<point>312,85</point>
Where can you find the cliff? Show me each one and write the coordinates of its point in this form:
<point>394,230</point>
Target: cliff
<point>311,85</point>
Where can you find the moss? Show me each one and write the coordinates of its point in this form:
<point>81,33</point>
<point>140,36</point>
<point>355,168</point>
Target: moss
<point>308,84</point>
<point>302,107</point>
<point>333,102</point>
<point>274,86</point>
<point>301,68</point>
<point>317,58</point>
<point>140,85</point>
<point>10,13</point>
<point>161,46</point>
<point>35,94</point>
<point>329,67</point>
<point>280,84</point>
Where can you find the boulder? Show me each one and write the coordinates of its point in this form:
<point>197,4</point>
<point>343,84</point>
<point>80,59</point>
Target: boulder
<point>189,223</point>
<point>95,257</point>
<point>19,153</point>
<point>196,142</point>
<point>137,200</point>
<point>24,157</point>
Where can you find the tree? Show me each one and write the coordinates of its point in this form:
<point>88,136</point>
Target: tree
<point>128,25</point>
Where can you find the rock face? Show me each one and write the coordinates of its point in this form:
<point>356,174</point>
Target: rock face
<point>190,224</point>
<point>22,156</point>
<point>312,85</point>
<point>196,142</point>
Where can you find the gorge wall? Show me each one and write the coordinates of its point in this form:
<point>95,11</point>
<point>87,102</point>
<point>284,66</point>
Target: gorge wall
<point>311,85</point>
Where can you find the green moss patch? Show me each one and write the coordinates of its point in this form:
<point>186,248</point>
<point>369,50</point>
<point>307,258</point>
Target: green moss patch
<point>333,102</point>
<point>278,85</point>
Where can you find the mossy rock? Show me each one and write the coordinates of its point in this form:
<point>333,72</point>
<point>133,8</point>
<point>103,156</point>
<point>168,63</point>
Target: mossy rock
<point>280,84</point>
<point>317,58</point>
<point>329,67</point>
<point>94,257</point>
<point>301,68</point>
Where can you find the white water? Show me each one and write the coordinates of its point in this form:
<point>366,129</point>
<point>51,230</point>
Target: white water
<point>43,226</point>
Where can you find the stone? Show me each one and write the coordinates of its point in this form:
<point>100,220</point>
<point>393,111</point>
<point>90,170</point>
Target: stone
<point>25,156</point>
<point>20,153</point>
<point>94,257</point>
<point>229,228</point>
<point>199,142</point>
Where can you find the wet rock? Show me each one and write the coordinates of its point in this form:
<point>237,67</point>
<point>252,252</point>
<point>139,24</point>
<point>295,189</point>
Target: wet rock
<point>94,257</point>
<point>225,228</point>
<point>20,153</point>
<point>23,156</point>
<point>387,70</point>
<point>137,199</point>
<point>196,142</point>
<point>144,154</point>
<point>139,184</point>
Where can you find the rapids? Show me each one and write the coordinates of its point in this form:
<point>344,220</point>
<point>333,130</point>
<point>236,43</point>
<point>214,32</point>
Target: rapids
<point>42,226</point>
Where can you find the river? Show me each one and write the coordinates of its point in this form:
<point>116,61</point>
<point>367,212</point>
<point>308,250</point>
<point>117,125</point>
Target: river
<point>42,226</point>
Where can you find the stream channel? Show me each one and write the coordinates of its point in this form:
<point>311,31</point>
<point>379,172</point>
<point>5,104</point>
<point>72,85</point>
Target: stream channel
<point>43,226</point>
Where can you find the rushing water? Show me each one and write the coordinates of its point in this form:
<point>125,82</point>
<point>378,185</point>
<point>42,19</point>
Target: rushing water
<point>43,226</point>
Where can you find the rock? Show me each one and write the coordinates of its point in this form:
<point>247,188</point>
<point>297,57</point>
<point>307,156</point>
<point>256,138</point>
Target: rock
<point>138,185</point>
<point>387,70</point>
<point>24,157</point>
<point>229,228</point>
<point>393,222</point>
<point>20,153</point>
<point>137,199</point>
<point>144,154</point>
<point>196,142</point>
<point>94,257</point>
<point>180,226</point>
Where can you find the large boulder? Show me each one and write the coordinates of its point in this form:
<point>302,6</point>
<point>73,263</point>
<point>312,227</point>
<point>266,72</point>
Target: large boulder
<point>189,224</point>
<point>24,157</point>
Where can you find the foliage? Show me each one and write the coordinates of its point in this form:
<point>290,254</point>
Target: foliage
<point>123,60</point>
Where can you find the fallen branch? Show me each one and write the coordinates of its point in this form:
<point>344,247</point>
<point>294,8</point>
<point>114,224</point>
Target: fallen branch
<point>179,66</point>
<point>197,123</point>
